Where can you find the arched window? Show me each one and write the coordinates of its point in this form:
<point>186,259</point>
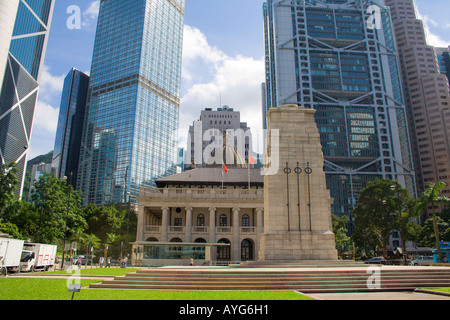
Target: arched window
<point>245,220</point>
<point>200,220</point>
<point>223,221</point>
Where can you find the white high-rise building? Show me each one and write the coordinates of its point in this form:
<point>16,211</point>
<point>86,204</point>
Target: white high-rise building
<point>219,130</point>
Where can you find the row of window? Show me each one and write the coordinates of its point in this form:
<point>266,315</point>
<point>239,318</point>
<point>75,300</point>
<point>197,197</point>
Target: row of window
<point>223,220</point>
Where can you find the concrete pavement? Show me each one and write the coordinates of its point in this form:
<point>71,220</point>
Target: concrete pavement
<point>354,296</point>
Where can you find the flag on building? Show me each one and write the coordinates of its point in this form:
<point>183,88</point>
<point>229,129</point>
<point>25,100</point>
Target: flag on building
<point>224,167</point>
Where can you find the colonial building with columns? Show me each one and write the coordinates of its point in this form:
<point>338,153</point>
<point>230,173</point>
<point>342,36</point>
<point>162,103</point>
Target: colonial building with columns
<point>213,216</point>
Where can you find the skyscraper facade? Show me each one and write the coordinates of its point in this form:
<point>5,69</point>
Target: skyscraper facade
<point>8,12</point>
<point>70,125</point>
<point>339,57</point>
<point>427,97</point>
<point>23,41</point>
<point>129,135</point>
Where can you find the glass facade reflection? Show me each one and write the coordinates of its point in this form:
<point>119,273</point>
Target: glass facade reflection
<point>323,55</point>
<point>174,252</point>
<point>21,79</point>
<point>129,137</point>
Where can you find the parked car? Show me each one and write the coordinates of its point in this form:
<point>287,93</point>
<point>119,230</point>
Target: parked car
<point>85,260</point>
<point>376,260</point>
<point>422,261</point>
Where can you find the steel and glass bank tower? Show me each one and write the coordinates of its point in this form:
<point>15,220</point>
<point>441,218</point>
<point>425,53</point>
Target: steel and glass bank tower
<point>129,135</point>
<point>339,57</point>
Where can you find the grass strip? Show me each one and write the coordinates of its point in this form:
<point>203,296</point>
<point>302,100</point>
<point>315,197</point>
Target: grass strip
<point>56,289</point>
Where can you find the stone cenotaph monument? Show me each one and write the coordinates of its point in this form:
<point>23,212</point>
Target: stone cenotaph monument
<point>297,204</point>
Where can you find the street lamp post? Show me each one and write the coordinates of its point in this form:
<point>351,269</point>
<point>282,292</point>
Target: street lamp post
<point>67,216</point>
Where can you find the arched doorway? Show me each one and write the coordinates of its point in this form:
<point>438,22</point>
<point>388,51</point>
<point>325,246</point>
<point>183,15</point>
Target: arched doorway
<point>247,249</point>
<point>224,252</point>
<point>152,239</point>
<point>175,251</point>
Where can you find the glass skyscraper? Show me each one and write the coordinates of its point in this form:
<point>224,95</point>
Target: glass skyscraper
<point>70,125</point>
<point>129,135</point>
<point>338,57</point>
<point>26,37</point>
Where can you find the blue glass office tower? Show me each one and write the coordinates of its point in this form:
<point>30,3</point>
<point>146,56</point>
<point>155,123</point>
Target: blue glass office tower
<point>443,55</point>
<point>26,37</point>
<point>70,125</point>
<point>338,57</point>
<point>133,101</point>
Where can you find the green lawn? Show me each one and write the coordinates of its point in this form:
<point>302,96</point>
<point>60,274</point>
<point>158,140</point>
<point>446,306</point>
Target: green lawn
<point>446,290</point>
<point>56,289</point>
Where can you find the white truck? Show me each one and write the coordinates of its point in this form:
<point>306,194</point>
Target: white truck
<point>10,254</point>
<point>37,256</point>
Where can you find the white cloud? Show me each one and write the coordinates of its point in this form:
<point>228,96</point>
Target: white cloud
<point>45,118</point>
<point>91,13</point>
<point>212,78</point>
<point>432,38</point>
<point>44,129</point>
<point>50,85</point>
<point>46,113</point>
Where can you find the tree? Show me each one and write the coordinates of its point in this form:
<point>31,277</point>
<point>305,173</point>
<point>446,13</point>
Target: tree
<point>58,207</point>
<point>8,184</point>
<point>340,232</point>
<point>25,217</point>
<point>432,196</point>
<point>92,241</point>
<point>10,229</point>
<point>375,213</point>
<point>103,220</point>
<point>407,209</point>
<point>427,234</point>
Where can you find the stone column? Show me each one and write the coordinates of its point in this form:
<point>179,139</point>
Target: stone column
<point>212,224</point>
<point>188,224</point>
<point>259,221</point>
<point>165,224</point>
<point>236,244</point>
<point>140,223</point>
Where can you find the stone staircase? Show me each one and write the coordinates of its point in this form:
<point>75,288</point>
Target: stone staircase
<point>306,280</point>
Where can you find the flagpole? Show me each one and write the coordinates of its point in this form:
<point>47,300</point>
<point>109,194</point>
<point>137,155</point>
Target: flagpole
<point>248,167</point>
<point>250,161</point>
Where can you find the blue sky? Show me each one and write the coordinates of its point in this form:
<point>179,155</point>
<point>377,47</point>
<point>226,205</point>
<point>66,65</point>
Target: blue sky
<point>222,59</point>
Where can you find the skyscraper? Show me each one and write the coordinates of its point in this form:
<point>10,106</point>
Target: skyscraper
<point>339,57</point>
<point>70,125</point>
<point>220,131</point>
<point>443,55</point>
<point>23,41</point>
<point>427,97</point>
<point>129,135</point>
